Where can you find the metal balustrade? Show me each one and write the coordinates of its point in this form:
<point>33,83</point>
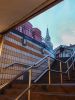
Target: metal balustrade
<point>26,68</point>
<point>11,71</point>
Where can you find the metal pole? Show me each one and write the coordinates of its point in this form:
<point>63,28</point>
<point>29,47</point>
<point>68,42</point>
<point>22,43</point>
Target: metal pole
<point>49,71</point>
<point>73,63</point>
<point>61,73</point>
<point>68,71</point>
<point>30,77</point>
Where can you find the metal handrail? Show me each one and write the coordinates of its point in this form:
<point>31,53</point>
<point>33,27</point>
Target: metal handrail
<point>42,60</point>
<point>26,64</point>
<point>22,93</point>
<point>39,61</point>
<point>65,72</point>
<point>60,71</point>
<point>64,61</point>
<point>15,64</point>
<point>40,75</point>
<point>20,74</point>
<point>70,67</point>
<point>52,58</point>
<point>27,69</point>
<point>70,58</point>
<point>57,59</point>
<point>28,89</point>
<point>30,67</point>
<point>45,71</point>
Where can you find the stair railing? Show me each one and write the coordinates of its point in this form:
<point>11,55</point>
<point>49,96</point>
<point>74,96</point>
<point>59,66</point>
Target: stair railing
<point>58,71</point>
<point>29,69</point>
<point>68,66</point>
<point>49,70</point>
<point>20,76</point>
<point>9,72</point>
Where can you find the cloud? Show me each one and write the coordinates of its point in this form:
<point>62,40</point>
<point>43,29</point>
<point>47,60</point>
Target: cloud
<point>68,38</point>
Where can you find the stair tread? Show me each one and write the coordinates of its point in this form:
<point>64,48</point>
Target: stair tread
<point>13,90</point>
<point>53,88</point>
<point>57,94</point>
<point>64,84</point>
<point>5,97</point>
<point>45,96</point>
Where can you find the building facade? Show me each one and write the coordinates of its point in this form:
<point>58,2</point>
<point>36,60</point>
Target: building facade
<point>64,51</point>
<point>19,47</point>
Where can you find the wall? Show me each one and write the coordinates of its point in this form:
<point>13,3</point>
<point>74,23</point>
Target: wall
<point>13,50</point>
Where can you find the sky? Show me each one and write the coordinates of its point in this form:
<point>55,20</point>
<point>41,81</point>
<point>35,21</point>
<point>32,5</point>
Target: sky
<point>60,21</point>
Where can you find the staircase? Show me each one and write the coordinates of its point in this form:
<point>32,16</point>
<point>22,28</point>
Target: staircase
<point>56,82</point>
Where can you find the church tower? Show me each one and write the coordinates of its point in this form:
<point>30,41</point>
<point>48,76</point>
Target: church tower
<point>48,40</point>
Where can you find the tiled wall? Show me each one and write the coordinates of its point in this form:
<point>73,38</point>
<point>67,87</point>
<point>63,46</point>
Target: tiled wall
<point>14,51</point>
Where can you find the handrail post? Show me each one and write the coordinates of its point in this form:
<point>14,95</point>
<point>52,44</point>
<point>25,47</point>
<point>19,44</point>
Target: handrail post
<point>73,63</point>
<point>49,71</point>
<point>30,77</point>
<point>61,73</point>
<point>68,71</point>
<point>1,76</point>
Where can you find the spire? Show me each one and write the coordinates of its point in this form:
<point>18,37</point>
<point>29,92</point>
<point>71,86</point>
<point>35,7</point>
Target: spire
<point>48,39</point>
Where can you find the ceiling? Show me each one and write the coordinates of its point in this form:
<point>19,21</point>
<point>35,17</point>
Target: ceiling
<point>14,12</point>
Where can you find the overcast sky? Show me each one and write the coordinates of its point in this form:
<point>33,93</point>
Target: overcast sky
<point>60,21</point>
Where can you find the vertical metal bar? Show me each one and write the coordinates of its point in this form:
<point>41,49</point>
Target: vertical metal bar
<point>61,73</point>
<point>68,71</point>
<point>49,71</point>
<point>2,76</point>
<point>73,62</point>
<point>30,76</point>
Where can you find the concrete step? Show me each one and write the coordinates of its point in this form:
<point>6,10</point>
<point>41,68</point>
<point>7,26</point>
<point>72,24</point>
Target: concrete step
<point>13,92</point>
<point>5,97</point>
<point>65,88</point>
<point>48,96</point>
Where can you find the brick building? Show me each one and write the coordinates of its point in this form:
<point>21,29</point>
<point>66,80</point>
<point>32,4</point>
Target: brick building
<point>22,45</point>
